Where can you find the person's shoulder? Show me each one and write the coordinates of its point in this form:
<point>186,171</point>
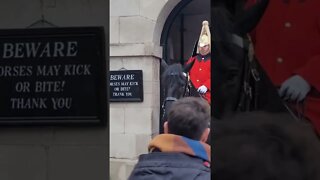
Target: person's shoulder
<point>203,176</point>
<point>172,159</point>
<point>175,165</point>
<point>191,59</point>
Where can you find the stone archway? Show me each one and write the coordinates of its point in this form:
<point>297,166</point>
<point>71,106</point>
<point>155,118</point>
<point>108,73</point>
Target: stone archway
<point>174,33</point>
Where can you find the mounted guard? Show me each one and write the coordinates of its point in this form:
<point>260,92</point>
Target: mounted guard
<point>200,64</point>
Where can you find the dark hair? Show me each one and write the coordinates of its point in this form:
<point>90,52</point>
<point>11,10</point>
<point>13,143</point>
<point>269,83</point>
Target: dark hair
<point>189,117</point>
<point>264,146</point>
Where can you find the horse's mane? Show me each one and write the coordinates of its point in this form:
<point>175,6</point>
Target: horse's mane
<point>221,23</point>
<point>227,62</point>
<point>172,80</point>
<point>223,46</point>
<point>173,76</point>
<point>230,65</point>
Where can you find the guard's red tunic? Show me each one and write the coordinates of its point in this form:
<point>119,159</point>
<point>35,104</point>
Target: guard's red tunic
<point>200,73</point>
<point>287,42</point>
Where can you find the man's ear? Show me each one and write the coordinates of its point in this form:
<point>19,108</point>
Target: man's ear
<point>165,127</point>
<point>205,135</point>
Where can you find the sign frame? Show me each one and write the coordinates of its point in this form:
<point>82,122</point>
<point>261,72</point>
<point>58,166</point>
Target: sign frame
<point>97,118</point>
<point>135,91</point>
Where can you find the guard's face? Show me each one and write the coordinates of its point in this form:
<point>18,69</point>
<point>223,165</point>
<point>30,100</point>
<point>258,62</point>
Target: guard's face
<point>204,50</point>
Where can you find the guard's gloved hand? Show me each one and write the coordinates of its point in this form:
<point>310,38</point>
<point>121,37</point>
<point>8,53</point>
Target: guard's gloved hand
<point>202,89</point>
<point>294,88</point>
<point>184,74</point>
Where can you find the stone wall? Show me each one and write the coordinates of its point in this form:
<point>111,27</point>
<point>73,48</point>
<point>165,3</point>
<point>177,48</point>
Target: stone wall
<point>58,153</point>
<point>135,30</point>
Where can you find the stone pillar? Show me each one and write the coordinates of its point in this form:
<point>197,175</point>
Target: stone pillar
<point>135,30</point>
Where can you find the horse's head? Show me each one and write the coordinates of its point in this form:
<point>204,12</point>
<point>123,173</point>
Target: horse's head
<point>174,83</point>
<point>229,52</point>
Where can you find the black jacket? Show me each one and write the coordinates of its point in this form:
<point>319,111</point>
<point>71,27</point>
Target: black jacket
<point>170,166</point>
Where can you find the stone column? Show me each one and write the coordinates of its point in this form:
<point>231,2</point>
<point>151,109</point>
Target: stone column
<point>134,45</point>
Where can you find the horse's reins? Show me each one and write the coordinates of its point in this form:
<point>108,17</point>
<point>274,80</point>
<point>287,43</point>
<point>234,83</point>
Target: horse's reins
<point>247,89</point>
<point>164,103</point>
<point>299,115</point>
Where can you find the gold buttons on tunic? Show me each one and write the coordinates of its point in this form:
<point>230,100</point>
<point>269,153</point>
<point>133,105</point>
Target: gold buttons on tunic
<point>287,24</point>
<point>200,69</point>
<point>197,80</point>
<point>279,60</point>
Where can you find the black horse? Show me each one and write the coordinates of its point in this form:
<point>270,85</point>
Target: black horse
<point>239,83</point>
<point>176,84</point>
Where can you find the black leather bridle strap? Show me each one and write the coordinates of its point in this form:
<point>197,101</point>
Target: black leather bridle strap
<point>239,41</point>
<point>170,99</point>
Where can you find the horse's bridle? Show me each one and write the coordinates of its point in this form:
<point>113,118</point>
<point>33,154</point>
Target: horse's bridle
<point>240,41</point>
<point>172,99</point>
<point>247,45</point>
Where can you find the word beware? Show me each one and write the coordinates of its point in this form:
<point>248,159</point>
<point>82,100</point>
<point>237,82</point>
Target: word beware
<point>39,49</point>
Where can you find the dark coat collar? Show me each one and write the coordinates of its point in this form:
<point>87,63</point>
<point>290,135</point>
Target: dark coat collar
<point>288,1</point>
<point>205,58</point>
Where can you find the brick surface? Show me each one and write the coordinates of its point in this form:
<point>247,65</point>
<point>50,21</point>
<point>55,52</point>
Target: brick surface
<point>124,7</point>
<point>151,8</point>
<point>138,120</point>
<point>120,169</point>
<point>114,30</point>
<point>123,146</point>
<point>79,13</point>
<point>78,162</point>
<point>116,120</point>
<point>136,29</point>
<point>23,162</point>
<point>81,135</point>
<point>19,14</point>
